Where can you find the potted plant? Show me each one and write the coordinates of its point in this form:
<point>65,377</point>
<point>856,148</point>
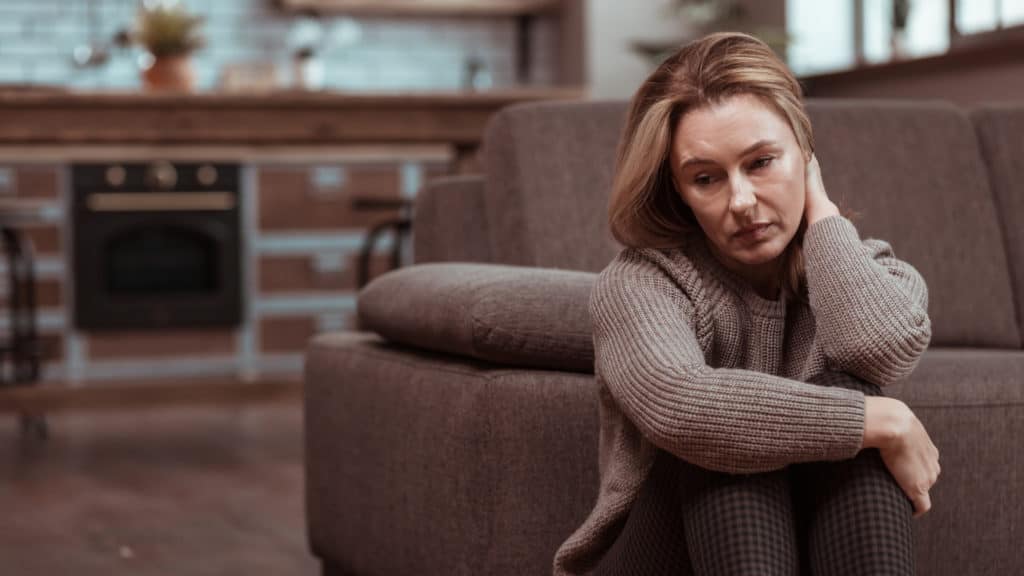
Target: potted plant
<point>170,34</point>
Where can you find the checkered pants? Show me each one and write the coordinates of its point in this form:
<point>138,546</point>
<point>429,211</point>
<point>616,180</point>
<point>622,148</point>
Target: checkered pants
<point>838,518</point>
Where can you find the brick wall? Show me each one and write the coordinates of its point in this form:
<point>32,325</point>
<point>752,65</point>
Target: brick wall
<point>38,38</point>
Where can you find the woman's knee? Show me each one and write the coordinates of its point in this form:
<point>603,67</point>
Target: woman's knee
<point>739,524</point>
<point>853,516</point>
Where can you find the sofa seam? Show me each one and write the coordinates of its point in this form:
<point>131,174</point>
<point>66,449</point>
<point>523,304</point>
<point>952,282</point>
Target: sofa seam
<point>489,374</point>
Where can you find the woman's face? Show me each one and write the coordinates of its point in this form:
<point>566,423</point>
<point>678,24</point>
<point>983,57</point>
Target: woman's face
<point>738,167</point>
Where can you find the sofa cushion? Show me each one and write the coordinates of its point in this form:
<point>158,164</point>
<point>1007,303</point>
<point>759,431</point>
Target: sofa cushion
<point>1000,129</point>
<point>964,378</point>
<point>914,172</point>
<point>971,402</point>
<point>506,314</point>
<point>452,466</point>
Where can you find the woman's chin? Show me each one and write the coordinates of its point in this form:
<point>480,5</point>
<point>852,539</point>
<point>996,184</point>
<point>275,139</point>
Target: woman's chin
<point>756,255</point>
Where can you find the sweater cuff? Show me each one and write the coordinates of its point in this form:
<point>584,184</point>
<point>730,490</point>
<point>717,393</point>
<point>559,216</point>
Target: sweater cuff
<point>847,424</point>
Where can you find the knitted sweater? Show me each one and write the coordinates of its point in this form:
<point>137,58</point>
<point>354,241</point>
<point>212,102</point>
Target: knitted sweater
<point>691,360</point>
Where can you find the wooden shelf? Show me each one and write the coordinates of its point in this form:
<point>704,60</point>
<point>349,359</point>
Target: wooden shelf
<point>459,8</point>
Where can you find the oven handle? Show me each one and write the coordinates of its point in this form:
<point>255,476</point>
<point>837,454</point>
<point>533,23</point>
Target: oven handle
<point>160,201</point>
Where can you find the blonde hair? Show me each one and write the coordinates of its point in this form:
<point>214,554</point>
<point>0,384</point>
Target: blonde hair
<point>645,210</point>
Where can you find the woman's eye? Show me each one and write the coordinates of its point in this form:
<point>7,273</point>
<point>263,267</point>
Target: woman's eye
<point>762,162</point>
<point>702,180</point>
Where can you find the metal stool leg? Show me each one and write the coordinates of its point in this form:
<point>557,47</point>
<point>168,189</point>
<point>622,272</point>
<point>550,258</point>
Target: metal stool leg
<point>23,339</point>
<point>400,226</point>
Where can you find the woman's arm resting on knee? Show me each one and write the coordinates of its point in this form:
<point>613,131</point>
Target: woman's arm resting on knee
<point>905,447</point>
<point>648,353</point>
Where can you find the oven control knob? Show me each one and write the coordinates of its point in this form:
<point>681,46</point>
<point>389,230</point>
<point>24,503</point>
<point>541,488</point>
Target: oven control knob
<point>115,176</point>
<point>207,175</point>
<point>162,175</point>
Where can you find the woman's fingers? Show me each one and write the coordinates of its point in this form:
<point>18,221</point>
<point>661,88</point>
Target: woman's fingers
<point>817,204</point>
<point>913,460</point>
<point>922,505</point>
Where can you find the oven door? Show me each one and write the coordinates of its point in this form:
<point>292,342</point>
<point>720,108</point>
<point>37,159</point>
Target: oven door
<point>156,269</point>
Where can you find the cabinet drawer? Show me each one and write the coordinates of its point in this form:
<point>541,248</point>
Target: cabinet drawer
<point>48,294</point>
<point>51,347</point>
<point>45,239</point>
<point>304,273</point>
<point>291,198</point>
<point>35,181</point>
<point>292,333</point>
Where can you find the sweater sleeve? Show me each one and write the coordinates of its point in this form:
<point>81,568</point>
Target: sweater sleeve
<point>736,421</point>
<point>870,309</point>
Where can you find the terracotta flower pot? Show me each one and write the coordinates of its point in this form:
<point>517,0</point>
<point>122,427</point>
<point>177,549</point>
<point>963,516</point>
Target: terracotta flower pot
<point>169,74</point>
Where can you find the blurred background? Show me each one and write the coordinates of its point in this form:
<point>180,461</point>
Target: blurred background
<point>190,190</point>
<point>422,45</point>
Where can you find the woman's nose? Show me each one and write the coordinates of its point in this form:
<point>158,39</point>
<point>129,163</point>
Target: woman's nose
<point>743,197</point>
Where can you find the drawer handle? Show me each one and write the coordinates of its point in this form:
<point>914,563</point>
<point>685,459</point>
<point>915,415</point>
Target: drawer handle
<point>160,201</point>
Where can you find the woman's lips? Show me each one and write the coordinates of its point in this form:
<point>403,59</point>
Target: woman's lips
<point>755,233</point>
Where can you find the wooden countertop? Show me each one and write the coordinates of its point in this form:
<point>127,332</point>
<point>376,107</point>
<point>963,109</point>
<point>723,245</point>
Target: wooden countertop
<point>273,118</point>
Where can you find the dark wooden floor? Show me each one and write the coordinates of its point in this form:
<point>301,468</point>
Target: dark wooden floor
<point>185,491</point>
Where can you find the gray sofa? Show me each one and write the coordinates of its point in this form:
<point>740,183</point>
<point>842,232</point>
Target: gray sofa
<point>457,433</point>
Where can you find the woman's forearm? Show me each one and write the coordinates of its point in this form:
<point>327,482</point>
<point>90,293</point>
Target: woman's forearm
<point>870,308</point>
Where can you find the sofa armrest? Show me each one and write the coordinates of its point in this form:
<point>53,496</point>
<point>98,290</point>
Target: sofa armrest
<point>449,224</point>
<point>530,317</point>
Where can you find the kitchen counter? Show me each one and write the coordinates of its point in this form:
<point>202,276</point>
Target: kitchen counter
<point>317,170</point>
<point>267,119</point>
<point>276,153</point>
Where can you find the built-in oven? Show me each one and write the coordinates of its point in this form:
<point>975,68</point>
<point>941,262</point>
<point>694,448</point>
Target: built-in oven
<point>156,245</point>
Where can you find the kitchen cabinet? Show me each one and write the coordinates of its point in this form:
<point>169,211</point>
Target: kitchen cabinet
<point>304,159</point>
<point>308,237</point>
<point>301,239</point>
<point>40,184</point>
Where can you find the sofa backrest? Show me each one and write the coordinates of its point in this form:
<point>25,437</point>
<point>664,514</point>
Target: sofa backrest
<point>913,171</point>
<point>1000,129</point>
<point>549,169</point>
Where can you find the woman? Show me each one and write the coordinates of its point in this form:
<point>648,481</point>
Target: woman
<point>741,341</point>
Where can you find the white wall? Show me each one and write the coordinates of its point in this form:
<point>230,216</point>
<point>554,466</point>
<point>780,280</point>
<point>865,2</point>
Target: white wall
<point>38,37</point>
<point>613,70</point>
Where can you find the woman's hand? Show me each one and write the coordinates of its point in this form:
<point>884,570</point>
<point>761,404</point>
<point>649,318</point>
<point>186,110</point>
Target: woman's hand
<point>906,449</point>
<point>816,203</point>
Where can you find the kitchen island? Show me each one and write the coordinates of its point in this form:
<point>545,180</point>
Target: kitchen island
<point>302,158</point>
